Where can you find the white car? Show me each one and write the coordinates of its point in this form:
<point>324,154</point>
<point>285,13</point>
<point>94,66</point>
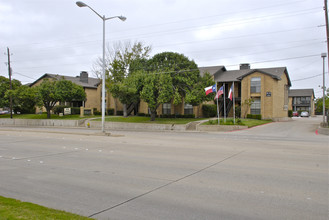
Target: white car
<point>4,112</point>
<point>304,114</point>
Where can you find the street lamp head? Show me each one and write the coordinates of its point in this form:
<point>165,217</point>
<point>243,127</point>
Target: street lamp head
<point>323,55</point>
<point>122,18</point>
<point>81,4</point>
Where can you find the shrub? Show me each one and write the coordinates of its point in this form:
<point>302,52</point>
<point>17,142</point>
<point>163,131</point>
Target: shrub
<point>290,113</point>
<point>141,114</point>
<point>209,111</point>
<point>60,109</point>
<point>97,112</point>
<point>259,117</point>
<point>237,111</point>
<point>250,116</point>
<point>110,111</point>
<point>177,116</point>
<point>119,112</point>
<point>75,111</point>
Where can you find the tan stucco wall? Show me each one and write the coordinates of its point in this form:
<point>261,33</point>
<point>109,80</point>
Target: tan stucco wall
<point>290,103</point>
<point>274,106</point>
<point>92,98</point>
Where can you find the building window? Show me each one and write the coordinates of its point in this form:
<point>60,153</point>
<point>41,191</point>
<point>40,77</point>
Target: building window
<point>188,109</point>
<point>255,85</point>
<point>166,108</point>
<point>255,107</point>
<point>303,100</point>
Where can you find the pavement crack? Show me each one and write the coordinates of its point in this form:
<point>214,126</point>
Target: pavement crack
<point>46,155</point>
<point>167,184</point>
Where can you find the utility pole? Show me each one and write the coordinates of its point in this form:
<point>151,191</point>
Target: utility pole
<point>9,72</point>
<point>327,26</point>
<point>324,55</point>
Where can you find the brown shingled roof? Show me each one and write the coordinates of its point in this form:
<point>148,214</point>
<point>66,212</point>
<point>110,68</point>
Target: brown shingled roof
<point>92,82</point>
<point>301,92</point>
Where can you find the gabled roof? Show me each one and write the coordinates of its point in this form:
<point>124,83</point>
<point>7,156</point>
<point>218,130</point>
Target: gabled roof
<point>92,82</point>
<point>238,75</point>
<point>301,92</point>
<point>212,70</point>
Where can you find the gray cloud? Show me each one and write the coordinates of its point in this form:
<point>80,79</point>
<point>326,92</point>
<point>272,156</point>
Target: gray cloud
<point>59,37</point>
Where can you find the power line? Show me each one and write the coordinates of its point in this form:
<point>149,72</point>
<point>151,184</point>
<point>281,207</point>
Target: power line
<point>288,58</point>
<point>245,20</point>
<point>24,75</point>
<point>225,38</point>
<point>310,77</point>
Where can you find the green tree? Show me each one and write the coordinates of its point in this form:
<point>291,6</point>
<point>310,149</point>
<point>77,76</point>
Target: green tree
<point>120,59</point>
<point>197,95</point>
<point>247,104</point>
<point>128,90</point>
<point>24,99</point>
<point>184,76</point>
<point>51,92</point>
<point>4,87</point>
<point>158,89</point>
<point>319,104</point>
<point>184,72</point>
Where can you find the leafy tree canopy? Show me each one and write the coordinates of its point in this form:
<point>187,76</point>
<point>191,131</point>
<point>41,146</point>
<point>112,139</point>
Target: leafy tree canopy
<point>24,99</point>
<point>4,87</point>
<point>319,103</point>
<point>183,72</point>
<point>157,90</point>
<point>51,92</point>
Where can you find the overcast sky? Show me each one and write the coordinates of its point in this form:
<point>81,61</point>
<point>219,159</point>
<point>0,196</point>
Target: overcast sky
<point>59,37</point>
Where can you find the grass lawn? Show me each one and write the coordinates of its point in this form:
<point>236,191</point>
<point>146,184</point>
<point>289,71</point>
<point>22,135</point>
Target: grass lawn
<point>44,116</point>
<point>142,119</point>
<point>245,122</point>
<point>15,209</point>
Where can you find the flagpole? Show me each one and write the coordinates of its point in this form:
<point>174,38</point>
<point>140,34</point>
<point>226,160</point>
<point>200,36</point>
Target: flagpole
<point>224,104</point>
<point>233,105</point>
<point>217,105</point>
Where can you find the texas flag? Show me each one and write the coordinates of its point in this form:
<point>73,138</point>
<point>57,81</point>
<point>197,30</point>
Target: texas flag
<point>230,93</point>
<point>220,92</point>
<point>210,89</point>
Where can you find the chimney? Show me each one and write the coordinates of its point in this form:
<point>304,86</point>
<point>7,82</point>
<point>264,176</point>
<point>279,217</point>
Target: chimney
<point>84,76</point>
<point>244,66</point>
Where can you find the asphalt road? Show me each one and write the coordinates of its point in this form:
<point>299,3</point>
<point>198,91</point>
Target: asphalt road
<point>274,171</point>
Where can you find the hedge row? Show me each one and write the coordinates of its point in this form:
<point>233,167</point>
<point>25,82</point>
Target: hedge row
<point>168,116</point>
<point>250,116</point>
<point>209,111</point>
<point>60,109</point>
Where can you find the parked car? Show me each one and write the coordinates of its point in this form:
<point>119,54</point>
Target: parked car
<point>304,114</point>
<point>4,112</point>
<point>295,114</point>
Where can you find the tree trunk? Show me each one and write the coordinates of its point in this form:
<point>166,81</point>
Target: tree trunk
<point>48,113</point>
<point>153,113</point>
<point>124,110</point>
<point>115,106</point>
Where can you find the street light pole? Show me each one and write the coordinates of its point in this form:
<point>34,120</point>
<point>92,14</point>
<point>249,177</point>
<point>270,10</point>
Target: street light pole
<point>122,18</point>
<point>324,55</point>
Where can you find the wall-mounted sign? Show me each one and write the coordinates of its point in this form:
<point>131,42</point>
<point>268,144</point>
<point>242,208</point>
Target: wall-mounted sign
<point>67,111</point>
<point>268,94</point>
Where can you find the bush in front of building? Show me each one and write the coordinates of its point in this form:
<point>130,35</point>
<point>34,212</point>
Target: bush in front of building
<point>60,109</point>
<point>119,112</point>
<point>177,116</point>
<point>110,111</point>
<point>75,111</point>
<point>250,116</point>
<point>209,111</point>
<point>290,113</point>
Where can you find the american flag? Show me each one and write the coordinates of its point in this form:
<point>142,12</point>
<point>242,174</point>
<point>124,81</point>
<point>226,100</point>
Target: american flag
<point>219,92</point>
